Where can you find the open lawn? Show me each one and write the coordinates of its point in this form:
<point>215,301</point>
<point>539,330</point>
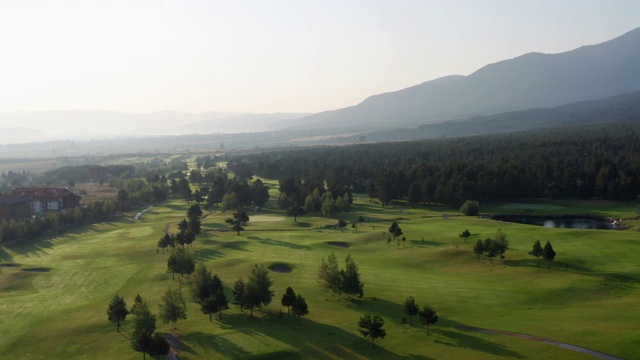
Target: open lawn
<point>54,293</point>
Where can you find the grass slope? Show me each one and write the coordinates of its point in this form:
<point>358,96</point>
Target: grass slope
<point>58,311</point>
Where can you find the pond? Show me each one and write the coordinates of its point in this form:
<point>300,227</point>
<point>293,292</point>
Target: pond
<point>568,222</point>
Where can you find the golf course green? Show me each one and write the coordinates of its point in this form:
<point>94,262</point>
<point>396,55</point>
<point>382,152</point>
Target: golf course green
<point>54,292</point>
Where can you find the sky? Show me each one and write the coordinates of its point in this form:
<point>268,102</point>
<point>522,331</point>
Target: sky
<point>267,56</point>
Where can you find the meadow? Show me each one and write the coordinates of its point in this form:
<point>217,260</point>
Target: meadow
<point>54,293</point>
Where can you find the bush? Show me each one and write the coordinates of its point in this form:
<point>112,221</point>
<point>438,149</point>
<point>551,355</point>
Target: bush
<point>470,208</point>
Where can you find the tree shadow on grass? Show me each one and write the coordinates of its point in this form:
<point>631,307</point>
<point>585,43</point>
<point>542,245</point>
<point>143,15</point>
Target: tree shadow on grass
<point>450,336</point>
<point>38,247</point>
<point>425,243</point>
<point>377,306</point>
<point>211,342</point>
<point>267,241</point>
<point>309,339</point>
<point>207,254</point>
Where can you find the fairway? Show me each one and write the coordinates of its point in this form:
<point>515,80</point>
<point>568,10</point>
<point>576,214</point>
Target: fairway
<point>54,293</point>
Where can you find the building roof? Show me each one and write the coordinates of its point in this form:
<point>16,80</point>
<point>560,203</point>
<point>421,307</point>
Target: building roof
<point>38,192</point>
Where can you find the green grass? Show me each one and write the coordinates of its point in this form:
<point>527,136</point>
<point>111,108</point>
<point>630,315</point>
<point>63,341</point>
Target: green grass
<point>58,309</point>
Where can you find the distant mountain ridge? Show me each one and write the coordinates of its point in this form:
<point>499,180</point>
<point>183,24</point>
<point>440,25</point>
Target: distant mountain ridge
<point>614,110</point>
<point>532,80</point>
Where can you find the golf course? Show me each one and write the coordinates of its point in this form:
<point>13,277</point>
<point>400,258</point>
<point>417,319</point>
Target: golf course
<point>54,292</point>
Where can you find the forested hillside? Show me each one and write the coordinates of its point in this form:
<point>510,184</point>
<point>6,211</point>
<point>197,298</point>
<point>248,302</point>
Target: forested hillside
<point>596,161</point>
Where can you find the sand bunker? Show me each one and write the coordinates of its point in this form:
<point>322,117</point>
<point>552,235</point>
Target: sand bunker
<point>280,268</point>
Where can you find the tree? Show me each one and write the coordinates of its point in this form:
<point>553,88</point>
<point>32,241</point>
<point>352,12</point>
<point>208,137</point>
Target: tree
<point>117,311</point>
<point>194,211</point>
<point>411,308</point>
<point>490,249</point>
<point>258,288</point>
<point>144,325</point>
<point>164,242</point>
<point>239,292</point>
<point>351,284</point>
<point>136,302</point>
<point>173,307</point>
<point>548,254</point>
<point>299,307</point>
<point>287,299</point>
<point>194,226</point>
<point>158,346</point>
<point>181,261</point>
<point>537,251</point>
<point>478,249</point>
<point>215,303</point>
<point>371,326</point>
<point>393,228</point>
<point>465,235</point>
<point>239,218</point>
<point>470,208</point>
<point>220,302</point>
<point>500,243</point>
<point>329,275</point>
<point>295,210</point>
<point>202,285</point>
<point>428,316</point>
<point>328,206</point>
<point>230,201</point>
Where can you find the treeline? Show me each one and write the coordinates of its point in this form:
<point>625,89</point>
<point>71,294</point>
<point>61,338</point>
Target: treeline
<point>56,222</point>
<point>591,162</point>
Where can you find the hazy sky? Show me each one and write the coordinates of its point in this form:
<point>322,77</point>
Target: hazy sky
<point>267,55</point>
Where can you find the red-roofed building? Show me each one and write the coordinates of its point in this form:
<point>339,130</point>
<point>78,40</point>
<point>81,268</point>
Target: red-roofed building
<point>43,200</point>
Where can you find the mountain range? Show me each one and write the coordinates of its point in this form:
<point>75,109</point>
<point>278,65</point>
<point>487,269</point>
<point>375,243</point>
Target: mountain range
<point>529,81</point>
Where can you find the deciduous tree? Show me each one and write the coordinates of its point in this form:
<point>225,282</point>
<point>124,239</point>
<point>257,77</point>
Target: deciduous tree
<point>259,286</point>
<point>465,235</point>
<point>478,249</point>
<point>173,307</point>
<point>351,284</point>
<point>329,275</point>
<point>239,218</point>
<point>470,208</point>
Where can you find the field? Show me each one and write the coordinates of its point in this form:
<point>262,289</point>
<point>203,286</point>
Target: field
<point>54,293</point>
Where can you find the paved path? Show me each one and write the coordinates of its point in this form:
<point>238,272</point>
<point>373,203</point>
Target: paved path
<point>546,341</point>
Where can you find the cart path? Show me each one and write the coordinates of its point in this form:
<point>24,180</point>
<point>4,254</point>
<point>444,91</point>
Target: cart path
<point>546,341</point>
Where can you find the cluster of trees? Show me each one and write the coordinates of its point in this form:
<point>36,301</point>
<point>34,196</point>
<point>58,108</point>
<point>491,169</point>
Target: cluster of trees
<point>340,281</point>
<point>295,304</point>
<point>181,260</point>
<point>255,292</point>
<point>584,163</point>
<point>396,231</point>
<point>14,179</point>
<point>217,188</point>
<point>300,197</point>
<point>427,314</point>
<point>56,222</point>
<point>492,247</point>
<point>144,337</point>
<point>547,252</point>
<point>208,292</point>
